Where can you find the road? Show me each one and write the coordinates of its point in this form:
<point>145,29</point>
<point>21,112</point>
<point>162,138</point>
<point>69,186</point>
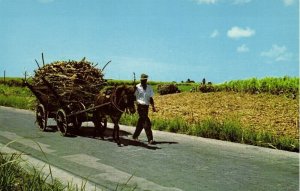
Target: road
<point>176,162</point>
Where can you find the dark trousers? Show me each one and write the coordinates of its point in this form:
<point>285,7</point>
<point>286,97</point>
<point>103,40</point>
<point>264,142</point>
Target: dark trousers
<point>143,122</point>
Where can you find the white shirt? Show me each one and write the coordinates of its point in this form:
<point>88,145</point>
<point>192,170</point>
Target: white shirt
<point>143,96</point>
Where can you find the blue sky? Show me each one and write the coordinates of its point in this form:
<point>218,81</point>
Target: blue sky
<point>171,40</point>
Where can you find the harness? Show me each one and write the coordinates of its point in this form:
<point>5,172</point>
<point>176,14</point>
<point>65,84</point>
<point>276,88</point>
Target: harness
<point>113,101</point>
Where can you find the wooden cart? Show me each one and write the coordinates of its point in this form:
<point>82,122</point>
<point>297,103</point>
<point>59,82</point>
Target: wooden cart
<point>67,113</point>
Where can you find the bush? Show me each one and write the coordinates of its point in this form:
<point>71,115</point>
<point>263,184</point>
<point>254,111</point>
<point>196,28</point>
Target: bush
<point>205,88</point>
<point>163,89</point>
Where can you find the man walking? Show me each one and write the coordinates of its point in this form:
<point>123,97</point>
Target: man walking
<point>144,97</point>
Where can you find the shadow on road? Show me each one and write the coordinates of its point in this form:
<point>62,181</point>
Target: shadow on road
<point>129,142</point>
<point>51,128</point>
<point>164,142</point>
<point>87,131</point>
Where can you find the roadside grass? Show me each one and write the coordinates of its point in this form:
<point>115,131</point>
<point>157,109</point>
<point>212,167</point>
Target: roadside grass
<point>17,102</point>
<point>15,96</point>
<point>14,175</point>
<point>227,130</point>
<point>18,175</point>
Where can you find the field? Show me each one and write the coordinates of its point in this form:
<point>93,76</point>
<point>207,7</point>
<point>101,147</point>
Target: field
<point>263,112</point>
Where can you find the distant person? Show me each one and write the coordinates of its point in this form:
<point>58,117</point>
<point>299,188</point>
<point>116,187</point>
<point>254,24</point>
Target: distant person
<point>144,97</point>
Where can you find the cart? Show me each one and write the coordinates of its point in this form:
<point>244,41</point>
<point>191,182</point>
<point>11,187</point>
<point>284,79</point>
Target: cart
<point>68,113</point>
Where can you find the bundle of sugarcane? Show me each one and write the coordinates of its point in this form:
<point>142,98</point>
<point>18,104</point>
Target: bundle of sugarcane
<point>205,88</point>
<point>167,89</point>
<point>69,81</point>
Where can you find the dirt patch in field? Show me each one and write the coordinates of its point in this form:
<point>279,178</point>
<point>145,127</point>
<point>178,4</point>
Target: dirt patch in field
<point>261,112</point>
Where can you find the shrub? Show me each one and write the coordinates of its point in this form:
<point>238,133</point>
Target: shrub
<point>163,89</point>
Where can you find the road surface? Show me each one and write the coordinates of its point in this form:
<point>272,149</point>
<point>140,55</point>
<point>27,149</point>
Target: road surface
<point>176,162</point>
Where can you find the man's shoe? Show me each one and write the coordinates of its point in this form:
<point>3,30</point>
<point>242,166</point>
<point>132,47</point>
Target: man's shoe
<point>151,142</point>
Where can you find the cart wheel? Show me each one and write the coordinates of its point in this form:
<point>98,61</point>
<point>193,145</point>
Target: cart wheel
<point>41,117</point>
<point>62,122</point>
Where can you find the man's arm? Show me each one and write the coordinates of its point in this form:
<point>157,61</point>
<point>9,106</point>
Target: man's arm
<point>152,104</point>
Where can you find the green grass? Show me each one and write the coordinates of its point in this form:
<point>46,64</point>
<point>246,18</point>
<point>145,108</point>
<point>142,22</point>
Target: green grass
<point>13,175</point>
<point>17,102</point>
<point>284,85</point>
<point>14,96</point>
<point>227,130</point>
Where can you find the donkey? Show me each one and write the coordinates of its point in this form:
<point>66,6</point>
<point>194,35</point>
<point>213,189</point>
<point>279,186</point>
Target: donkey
<point>119,100</point>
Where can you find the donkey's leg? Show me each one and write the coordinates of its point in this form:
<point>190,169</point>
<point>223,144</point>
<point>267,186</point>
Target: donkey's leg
<point>103,125</point>
<point>115,119</point>
<point>97,119</point>
<point>116,134</point>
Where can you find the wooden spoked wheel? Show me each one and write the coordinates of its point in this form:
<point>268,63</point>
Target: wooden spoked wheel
<point>62,122</point>
<point>41,117</point>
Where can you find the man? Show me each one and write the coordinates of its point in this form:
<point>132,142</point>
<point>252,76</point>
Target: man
<point>144,97</point>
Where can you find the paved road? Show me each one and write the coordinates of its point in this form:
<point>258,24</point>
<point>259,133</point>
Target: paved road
<point>176,162</point>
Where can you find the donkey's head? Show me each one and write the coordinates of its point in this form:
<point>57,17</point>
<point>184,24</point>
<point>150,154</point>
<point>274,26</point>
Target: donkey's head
<point>126,98</point>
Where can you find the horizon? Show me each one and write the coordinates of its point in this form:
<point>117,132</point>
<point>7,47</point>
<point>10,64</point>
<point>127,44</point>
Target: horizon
<point>177,82</point>
<point>170,40</point>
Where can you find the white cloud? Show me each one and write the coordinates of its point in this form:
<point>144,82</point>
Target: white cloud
<point>214,34</point>
<point>288,2</point>
<point>243,48</point>
<point>241,1</point>
<point>237,32</point>
<point>278,53</point>
<point>206,1</point>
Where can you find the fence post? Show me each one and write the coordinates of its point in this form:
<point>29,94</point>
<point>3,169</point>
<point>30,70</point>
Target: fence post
<point>4,77</point>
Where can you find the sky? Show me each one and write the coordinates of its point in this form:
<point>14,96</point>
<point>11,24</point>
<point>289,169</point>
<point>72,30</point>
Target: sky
<point>170,40</point>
